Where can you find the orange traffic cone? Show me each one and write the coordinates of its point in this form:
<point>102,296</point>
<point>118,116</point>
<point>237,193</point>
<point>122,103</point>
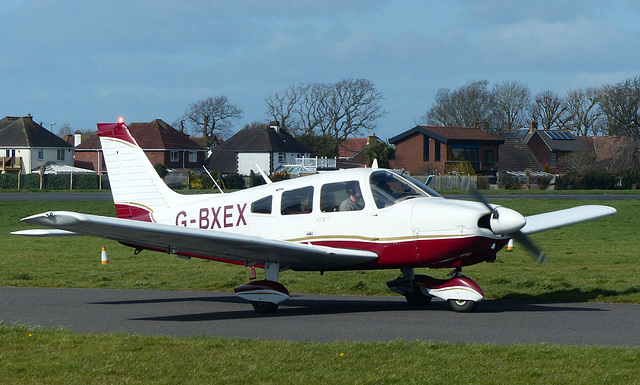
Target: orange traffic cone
<point>510,245</point>
<point>104,257</point>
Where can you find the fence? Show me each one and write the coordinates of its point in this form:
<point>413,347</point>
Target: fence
<point>449,182</point>
<point>54,182</point>
<point>317,163</point>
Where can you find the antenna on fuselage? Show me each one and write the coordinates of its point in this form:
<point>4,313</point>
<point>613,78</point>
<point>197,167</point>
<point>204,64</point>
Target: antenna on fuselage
<point>374,165</point>
<point>264,175</point>
<point>214,181</point>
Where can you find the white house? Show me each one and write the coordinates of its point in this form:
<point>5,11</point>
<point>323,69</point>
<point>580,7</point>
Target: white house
<point>25,146</point>
<point>268,147</point>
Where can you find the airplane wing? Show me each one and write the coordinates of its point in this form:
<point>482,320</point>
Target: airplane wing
<point>198,242</point>
<point>554,219</point>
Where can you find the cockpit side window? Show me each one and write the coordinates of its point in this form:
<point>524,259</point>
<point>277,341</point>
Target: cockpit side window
<point>388,189</point>
<point>341,196</point>
<point>298,201</point>
<point>262,206</point>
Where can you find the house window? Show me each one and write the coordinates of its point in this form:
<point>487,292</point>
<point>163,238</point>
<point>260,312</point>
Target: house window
<point>40,154</point>
<point>174,156</point>
<point>281,157</point>
<point>468,154</point>
<point>193,156</point>
<point>553,159</point>
<point>488,158</point>
<point>60,155</point>
<point>436,155</point>
<point>425,148</point>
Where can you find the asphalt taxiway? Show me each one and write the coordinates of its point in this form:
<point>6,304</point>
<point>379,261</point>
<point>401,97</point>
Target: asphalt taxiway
<point>320,318</point>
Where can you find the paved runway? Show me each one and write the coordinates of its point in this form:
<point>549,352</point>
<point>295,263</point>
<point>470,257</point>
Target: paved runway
<point>320,318</point>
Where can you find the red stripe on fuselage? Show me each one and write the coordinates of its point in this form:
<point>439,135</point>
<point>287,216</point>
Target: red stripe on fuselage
<point>435,253</point>
<point>133,212</point>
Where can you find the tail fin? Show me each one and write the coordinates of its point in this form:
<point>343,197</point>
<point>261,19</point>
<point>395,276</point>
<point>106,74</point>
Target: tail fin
<point>136,187</point>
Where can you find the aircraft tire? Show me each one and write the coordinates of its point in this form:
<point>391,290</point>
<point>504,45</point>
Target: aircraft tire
<point>264,307</point>
<point>418,299</point>
<point>463,306</point>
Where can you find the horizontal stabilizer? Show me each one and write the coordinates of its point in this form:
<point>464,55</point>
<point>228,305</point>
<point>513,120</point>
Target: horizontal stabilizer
<point>555,219</point>
<point>44,233</point>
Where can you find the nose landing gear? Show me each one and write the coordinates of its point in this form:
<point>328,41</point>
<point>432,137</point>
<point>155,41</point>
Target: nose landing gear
<point>460,292</point>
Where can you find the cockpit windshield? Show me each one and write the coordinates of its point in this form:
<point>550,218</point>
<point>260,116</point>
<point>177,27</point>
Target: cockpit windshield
<point>389,188</point>
<point>422,186</point>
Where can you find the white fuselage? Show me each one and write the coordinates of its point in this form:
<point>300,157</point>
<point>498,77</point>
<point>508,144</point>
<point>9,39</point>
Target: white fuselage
<point>428,230</point>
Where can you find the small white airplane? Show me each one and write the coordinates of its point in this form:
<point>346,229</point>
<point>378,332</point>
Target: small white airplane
<point>339,220</point>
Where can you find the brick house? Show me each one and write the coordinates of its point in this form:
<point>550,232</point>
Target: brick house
<point>352,151</point>
<point>515,155</point>
<point>161,143</point>
<point>432,149</point>
<point>551,146</point>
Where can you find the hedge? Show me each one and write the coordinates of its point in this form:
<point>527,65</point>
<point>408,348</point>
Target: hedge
<point>54,182</point>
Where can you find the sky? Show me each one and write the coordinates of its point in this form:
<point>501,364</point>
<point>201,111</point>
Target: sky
<point>82,62</point>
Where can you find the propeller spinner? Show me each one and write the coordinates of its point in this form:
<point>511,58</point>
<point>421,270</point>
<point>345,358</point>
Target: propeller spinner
<point>508,222</point>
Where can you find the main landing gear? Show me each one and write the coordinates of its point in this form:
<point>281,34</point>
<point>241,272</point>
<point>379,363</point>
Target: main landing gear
<point>460,292</point>
<point>265,295</point>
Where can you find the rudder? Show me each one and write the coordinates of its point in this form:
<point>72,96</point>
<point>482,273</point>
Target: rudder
<point>136,187</point>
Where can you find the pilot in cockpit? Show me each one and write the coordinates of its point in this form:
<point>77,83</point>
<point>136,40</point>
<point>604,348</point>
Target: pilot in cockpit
<point>355,195</point>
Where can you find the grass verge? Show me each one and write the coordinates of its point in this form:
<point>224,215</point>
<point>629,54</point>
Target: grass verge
<point>35,356</point>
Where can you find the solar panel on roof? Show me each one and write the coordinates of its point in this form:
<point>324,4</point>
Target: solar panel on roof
<point>559,135</point>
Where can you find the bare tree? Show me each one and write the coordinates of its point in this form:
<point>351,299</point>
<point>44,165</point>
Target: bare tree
<point>511,101</point>
<point>620,105</point>
<point>583,111</point>
<point>65,130</point>
<point>352,108</point>
<point>468,105</point>
<point>254,125</point>
<point>211,117</point>
<point>549,110</point>
<point>313,109</point>
<point>336,110</point>
<point>443,111</point>
<point>282,107</point>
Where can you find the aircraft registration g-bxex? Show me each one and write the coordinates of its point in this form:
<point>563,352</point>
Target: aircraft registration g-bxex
<point>392,222</point>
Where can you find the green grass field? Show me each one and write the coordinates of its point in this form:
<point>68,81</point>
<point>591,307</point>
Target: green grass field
<point>593,261</point>
<point>46,356</point>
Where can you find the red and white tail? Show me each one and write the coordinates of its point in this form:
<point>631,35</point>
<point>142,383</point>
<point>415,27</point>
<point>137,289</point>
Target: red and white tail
<point>136,187</point>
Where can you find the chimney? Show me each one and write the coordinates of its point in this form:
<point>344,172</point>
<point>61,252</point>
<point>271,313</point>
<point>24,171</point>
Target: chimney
<point>533,126</point>
<point>77,138</point>
<point>275,125</point>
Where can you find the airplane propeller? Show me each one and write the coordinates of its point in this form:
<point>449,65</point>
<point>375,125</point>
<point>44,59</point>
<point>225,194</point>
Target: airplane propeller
<point>509,222</point>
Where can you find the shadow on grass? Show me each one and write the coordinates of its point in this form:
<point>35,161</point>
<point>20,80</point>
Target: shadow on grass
<point>573,295</point>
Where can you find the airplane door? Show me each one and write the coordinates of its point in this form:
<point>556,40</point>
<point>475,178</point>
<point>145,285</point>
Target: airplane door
<point>344,218</point>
